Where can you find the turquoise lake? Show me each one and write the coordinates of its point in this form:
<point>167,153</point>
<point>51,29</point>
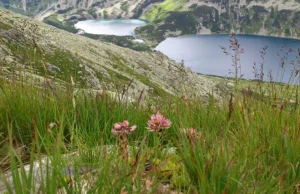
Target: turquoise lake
<point>110,27</point>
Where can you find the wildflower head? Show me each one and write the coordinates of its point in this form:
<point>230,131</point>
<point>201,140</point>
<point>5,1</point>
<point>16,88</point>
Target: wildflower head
<point>123,128</point>
<point>158,122</point>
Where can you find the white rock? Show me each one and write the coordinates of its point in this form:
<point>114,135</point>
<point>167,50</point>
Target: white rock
<point>138,40</point>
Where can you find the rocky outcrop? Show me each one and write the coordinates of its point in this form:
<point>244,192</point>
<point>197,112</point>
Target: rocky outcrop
<point>86,176</point>
<point>32,47</point>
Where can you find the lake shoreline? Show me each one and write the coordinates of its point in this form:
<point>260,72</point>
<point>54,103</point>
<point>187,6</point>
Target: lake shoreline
<point>259,35</point>
<point>202,63</point>
<point>204,33</point>
<point>155,44</point>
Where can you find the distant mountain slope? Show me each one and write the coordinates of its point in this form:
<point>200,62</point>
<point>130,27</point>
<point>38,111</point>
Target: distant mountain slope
<point>264,17</point>
<point>32,50</point>
<point>176,17</point>
<point>27,7</point>
<point>79,8</point>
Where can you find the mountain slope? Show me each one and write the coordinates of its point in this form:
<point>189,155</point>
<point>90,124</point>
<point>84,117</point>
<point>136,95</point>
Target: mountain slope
<point>34,50</point>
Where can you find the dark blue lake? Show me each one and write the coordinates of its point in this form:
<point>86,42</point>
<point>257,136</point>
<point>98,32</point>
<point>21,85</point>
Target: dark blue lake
<point>202,53</point>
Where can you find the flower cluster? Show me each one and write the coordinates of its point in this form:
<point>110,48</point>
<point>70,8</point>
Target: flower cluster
<point>158,122</point>
<point>123,128</point>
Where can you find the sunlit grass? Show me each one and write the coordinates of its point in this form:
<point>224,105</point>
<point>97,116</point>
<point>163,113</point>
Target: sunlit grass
<point>161,9</point>
<point>246,143</point>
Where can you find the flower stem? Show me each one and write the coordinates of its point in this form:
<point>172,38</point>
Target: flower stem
<point>123,141</point>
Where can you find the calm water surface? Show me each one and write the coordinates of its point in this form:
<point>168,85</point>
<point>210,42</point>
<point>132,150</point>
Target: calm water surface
<point>110,27</point>
<point>202,53</point>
